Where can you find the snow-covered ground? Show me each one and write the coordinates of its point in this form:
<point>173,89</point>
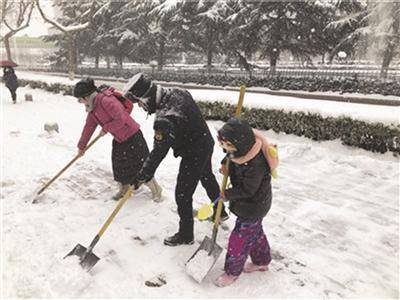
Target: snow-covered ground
<point>369,113</point>
<point>333,226</point>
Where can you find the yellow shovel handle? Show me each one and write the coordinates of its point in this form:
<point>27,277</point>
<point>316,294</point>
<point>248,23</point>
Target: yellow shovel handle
<point>121,202</point>
<point>225,178</point>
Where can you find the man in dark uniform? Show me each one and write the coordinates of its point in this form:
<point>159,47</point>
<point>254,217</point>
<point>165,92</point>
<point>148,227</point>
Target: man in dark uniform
<point>179,125</point>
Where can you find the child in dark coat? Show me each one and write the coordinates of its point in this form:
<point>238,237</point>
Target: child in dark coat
<point>249,199</point>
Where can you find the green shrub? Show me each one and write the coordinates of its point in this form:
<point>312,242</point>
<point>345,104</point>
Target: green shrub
<point>375,137</point>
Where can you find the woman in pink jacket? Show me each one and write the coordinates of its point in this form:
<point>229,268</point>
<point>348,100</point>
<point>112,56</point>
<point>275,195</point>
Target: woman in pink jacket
<point>129,148</point>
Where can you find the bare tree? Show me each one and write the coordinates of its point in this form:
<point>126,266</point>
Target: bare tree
<point>70,31</point>
<point>15,15</point>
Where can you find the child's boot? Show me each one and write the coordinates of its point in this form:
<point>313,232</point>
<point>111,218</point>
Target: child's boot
<point>250,268</point>
<point>225,280</point>
<point>155,189</point>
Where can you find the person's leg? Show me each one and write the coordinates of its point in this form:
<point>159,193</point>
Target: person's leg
<point>260,252</point>
<point>210,184</point>
<point>238,247</point>
<point>190,171</point>
<point>241,241</point>
<point>117,162</point>
<point>208,180</point>
<point>13,95</point>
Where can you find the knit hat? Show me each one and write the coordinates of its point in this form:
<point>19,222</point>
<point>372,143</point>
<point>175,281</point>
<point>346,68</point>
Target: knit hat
<point>138,86</point>
<point>84,88</point>
<point>239,133</point>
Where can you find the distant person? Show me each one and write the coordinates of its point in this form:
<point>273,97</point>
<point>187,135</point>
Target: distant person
<point>129,148</point>
<point>11,81</point>
<point>178,124</point>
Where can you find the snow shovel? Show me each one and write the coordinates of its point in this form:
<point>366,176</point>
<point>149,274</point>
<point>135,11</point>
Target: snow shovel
<point>35,199</point>
<point>86,257</point>
<point>199,264</point>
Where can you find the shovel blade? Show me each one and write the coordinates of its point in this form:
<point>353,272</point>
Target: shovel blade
<point>203,259</point>
<point>87,258</point>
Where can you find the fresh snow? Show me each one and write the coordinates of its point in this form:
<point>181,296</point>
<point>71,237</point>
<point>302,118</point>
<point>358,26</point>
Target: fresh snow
<point>199,265</point>
<point>389,115</point>
<point>333,226</point>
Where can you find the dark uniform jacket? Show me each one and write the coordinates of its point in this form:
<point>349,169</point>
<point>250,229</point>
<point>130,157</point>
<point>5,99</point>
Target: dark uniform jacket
<point>179,125</point>
<point>10,79</point>
<point>250,196</point>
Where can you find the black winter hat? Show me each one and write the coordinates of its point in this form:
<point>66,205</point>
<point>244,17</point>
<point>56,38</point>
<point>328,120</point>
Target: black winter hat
<point>84,87</point>
<point>239,133</point>
<point>138,85</point>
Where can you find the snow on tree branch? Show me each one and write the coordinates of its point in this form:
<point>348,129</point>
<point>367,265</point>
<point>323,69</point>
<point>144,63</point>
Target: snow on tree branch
<point>71,28</point>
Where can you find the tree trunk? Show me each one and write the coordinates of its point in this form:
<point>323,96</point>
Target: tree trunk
<point>387,58</point>
<point>210,48</point>
<point>160,55</point>
<point>243,62</point>
<point>388,54</point>
<point>272,62</point>
<point>71,57</point>
<point>108,62</point>
<point>96,61</point>
<point>119,60</point>
<point>7,46</point>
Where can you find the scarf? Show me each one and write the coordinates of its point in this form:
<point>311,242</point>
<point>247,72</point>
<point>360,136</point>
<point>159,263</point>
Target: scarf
<point>269,151</point>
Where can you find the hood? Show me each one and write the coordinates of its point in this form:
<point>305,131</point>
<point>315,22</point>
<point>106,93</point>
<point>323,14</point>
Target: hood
<point>240,134</point>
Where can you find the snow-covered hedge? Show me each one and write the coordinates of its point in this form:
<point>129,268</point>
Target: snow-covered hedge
<point>374,137</point>
<point>51,87</point>
<point>311,84</point>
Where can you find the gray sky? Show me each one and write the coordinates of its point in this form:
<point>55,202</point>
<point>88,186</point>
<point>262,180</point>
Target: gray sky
<point>37,26</point>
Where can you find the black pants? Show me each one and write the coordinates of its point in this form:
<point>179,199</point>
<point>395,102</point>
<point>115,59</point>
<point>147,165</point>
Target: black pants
<point>193,168</point>
<point>13,94</point>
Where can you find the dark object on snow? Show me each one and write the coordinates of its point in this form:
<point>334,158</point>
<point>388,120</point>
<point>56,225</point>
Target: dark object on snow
<point>84,88</point>
<point>179,125</point>
<point>8,63</point>
<point>86,257</point>
<point>11,81</point>
<point>49,127</point>
<point>156,281</point>
<point>28,97</point>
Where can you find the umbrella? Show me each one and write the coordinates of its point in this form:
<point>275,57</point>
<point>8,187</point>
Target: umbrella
<point>7,63</point>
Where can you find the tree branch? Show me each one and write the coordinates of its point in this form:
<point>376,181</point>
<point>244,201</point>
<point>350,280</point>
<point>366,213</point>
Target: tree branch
<point>72,28</point>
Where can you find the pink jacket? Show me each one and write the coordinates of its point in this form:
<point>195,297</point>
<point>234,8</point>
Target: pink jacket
<point>109,113</point>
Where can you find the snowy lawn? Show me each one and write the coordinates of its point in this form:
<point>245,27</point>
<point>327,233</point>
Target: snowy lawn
<point>333,226</point>
<point>369,113</point>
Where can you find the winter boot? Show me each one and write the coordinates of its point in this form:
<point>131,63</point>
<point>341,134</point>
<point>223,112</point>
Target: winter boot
<point>123,188</point>
<point>155,189</point>
<point>225,280</point>
<point>250,268</point>
<point>178,239</point>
